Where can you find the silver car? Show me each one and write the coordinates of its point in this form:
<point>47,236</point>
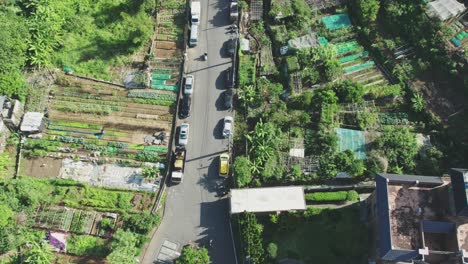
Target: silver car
<point>188,85</point>
<point>228,126</point>
<point>184,134</point>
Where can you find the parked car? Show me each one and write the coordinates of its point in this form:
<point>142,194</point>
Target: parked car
<point>228,126</point>
<point>185,107</point>
<point>224,165</point>
<point>184,134</point>
<point>231,46</point>
<point>188,84</point>
<point>228,98</point>
<point>230,78</point>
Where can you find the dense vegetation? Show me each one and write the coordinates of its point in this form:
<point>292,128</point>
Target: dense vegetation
<point>89,36</point>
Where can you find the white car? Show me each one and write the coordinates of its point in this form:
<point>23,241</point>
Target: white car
<point>188,85</point>
<point>184,134</point>
<point>228,126</point>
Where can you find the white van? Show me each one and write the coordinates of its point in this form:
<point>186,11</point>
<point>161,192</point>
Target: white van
<point>193,41</point>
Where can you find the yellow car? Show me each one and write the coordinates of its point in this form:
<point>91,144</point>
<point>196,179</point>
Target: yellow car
<point>224,165</point>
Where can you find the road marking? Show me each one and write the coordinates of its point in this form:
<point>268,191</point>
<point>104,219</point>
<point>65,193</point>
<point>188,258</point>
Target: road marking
<point>168,253</point>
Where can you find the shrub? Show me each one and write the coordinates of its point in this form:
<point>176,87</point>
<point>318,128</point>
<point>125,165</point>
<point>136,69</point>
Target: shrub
<point>353,196</point>
<point>327,196</point>
<point>141,223</point>
<point>87,245</point>
<point>272,250</point>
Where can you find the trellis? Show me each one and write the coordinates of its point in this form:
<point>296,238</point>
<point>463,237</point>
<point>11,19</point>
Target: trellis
<point>357,107</point>
<point>324,4</point>
<point>308,164</point>
<point>58,218</point>
<point>256,10</point>
<point>296,82</point>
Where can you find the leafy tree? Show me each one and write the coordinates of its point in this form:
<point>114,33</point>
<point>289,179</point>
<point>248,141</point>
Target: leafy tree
<point>430,162</point>
<point>272,250</point>
<point>366,119</point>
<point>141,223</point>
<point>38,253</point>
<point>124,248</point>
<point>251,236</point>
<point>400,147</point>
<point>13,33</point>
<point>333,69</point>
<point>13,84</point>
<point>192,255</point>
<point>310,76</point>
<point>321,97</point>
<point>324,53</point>
<point>349,91</point>
<point>242,172</point>
<point>368,10</point>
<point>322,142</point>
<point>331,164</point>
<point>417,103</point>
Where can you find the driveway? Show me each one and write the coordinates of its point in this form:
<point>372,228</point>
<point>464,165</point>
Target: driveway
<point>193,211</point>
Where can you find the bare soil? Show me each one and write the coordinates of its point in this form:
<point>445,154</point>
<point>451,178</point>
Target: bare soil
<point>63,258</point>
<point>41,167</point>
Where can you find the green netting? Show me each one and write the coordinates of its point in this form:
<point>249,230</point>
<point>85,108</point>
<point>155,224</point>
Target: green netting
<point>359,67</point>
<point>160,76</point>
<point>462,35</point>
<point>353,140</point>
<point>336,21</point>
<point>173,88</point>
<point>347,47</point>
<point>156,149</point>
<point>162,71</point>
<point>156,81</point>
<point>323,41</point>
<point>354,57</point>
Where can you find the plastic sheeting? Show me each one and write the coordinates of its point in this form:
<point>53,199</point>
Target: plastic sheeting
<point>444,9</point>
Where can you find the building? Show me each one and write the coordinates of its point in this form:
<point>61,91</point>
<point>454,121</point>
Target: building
<point>10,117</point>
<point>33,122</point>
<point>459,178</point>
<point>414,220</point>
<point>267,200</point>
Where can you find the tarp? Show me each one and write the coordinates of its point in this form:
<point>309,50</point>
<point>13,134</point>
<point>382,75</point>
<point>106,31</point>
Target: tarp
<point>303,42</point>
<point>336,21</point>
<point>353,140</point>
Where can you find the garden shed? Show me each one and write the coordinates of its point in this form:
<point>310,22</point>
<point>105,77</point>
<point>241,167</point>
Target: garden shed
<point>444,9</point>
<point>264,200</point>
<point>33,122</point>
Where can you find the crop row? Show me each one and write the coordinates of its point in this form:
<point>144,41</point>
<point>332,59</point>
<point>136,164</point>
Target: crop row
<point>152,95</point>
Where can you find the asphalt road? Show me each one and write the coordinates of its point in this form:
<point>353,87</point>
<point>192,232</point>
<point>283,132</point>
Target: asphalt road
<point>193,212</point>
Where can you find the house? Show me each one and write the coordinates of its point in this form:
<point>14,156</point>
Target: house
<point>33,123</point>
<point>459,178</point>
<point>414,221</point>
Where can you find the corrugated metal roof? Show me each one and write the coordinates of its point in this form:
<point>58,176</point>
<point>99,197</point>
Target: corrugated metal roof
<point>401,255</point>
<point>459,179</point>
<point>383,213</point>
<point>437,227</point>
<point>402,178</point>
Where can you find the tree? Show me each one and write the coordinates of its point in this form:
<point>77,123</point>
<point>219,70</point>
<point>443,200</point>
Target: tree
<point>242,172</point>
<point>400,147</point>
<point>124,248</point>
<point>141,223</point>
<point>366,119</point>
<point>321,97</point>
<point>368,10</point>
<point>251,236</point>
<point>429,162</point>
<point>324,53</point>
<point>192,255</point>
<point>5,161</point>
<point>272,250</point>
<point>349,91</point>
<point>13,33</point>
<point>310,76</point>
<point>332,69</point>
<point>38,253</point>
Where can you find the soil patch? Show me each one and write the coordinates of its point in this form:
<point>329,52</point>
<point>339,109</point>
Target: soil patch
<point>42,167</point>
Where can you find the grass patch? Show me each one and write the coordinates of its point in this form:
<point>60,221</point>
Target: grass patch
<point>88,245</point>
<point>319,236</point>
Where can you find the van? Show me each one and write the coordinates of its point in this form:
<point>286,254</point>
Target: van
<point>193,36</point>
<point>195,12</point>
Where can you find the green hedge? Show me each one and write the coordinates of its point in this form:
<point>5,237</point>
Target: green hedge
<point>340,196</point>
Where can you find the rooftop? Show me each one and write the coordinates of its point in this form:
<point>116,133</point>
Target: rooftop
<point>32,122</point>
<point>271,199</point>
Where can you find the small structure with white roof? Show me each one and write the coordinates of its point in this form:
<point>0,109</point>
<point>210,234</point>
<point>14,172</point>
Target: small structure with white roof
<point>33,122</point>
<point>265,200</point>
